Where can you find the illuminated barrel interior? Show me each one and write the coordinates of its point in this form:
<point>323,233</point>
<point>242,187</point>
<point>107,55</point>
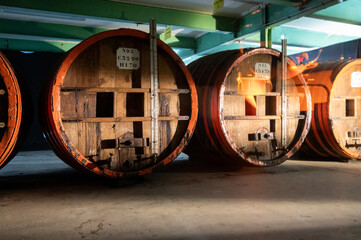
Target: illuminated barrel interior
<point>97,107</point>
<point>240,111</point>
<point>335,88</point>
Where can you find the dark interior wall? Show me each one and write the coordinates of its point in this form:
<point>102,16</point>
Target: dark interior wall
<point>33,70</point>
<point>347,50</point>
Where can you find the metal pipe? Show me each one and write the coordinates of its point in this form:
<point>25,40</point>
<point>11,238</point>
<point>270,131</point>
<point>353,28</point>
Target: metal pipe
<point>283,93</point>
<point>154,87</point>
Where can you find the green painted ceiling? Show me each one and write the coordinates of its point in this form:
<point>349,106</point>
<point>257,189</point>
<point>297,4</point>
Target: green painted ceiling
<point>58,25</point>
<point>347,11</point>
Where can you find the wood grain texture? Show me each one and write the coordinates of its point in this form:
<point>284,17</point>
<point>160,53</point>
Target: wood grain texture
<point>95,71</point>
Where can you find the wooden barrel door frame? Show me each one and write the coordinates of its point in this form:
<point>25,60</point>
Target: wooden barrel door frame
<point>335,131</point>
<point>11,118</point>
<point>68,152</point>
<point>307,108</point>
<point>212,120</point>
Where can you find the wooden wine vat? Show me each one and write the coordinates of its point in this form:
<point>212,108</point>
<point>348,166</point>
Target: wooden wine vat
<point>240,110</point>
<point>11,113</point>
<point>335,88</point>
<point>97,108</point>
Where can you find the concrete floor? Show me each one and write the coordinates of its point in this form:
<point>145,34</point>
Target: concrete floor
<point>42,198</point>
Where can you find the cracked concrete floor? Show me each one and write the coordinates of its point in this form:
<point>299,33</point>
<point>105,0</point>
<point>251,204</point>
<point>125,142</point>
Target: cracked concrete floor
<point>42,198</point>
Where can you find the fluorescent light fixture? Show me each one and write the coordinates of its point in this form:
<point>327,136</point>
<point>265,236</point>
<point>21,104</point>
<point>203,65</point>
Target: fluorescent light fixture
<point>325,26</point>
<point>275,45</point>
<point>27,52</point>
<point>38,38</point>
<point>38,14</point>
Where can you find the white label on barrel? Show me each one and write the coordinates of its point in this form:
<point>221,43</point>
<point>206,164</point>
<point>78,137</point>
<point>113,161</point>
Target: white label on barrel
<point>263,70</point>
<point>356,79</point>
<point>128,58</point>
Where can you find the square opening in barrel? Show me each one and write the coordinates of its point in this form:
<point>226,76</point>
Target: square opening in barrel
<point>271,105</point>
<point>251,106</point>
<point>105,104</point>
<point>272,125</point>
<point>135,105</point>
<point>350,107</point>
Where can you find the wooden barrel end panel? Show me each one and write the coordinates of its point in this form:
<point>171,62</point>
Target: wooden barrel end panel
<point>336,95</point>
<point>345,109</point>
<point>240,115</point>
<point>11,115</point>
<point>252,109</point>
<point>102,104</point>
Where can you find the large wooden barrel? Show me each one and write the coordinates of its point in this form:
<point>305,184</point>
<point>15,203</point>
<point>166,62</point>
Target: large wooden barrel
<point>11,111</point>
<point>240,115</point>
<point>336,97</point>
<point>97,108</point>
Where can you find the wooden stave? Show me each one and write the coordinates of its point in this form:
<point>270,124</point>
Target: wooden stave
<point>12,144</point>
<point>51,127</point>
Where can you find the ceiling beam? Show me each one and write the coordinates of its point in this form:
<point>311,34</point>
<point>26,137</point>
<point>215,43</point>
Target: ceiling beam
<point>211,40</point>
<point>47,29</point>
<point>336,18</point>
<point>179,42</point>
<point>279,2</point>
<point>23,29</point>
<point>127,12</point>
<point>35,45</point>
<point>277,15</point>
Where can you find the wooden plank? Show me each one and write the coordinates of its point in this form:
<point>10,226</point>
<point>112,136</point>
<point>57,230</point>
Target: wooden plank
<point>124,119</point>
<point>84,71</point>
<point>78,104</point>
<point>242,94</point>
<point>147,105</point>
<point>167,130</point>
<point>231,82</point>
<point>261,105</point>
<point>147,134</point>
<point>293,105</point>
<point>234,105</point>
<point>144,49</point>
<point>345,97</point>
<point>88,138</point>
<point>358,107</point>
<point>120,105</point>
<point>107,131</point>
<point>278,105</point>
<point>107,64</point>
<point>292,124</point>
<point>123,154</point>
<point>338,109</point>
<point>261,118</point>
<point>68,108</point>
<point>125,90</point>
<point>169,105</point>
<point>345,118</point>
<point>71,130</point>
<point>85,104</point>
<point>123,77</point>
<point>166,76</point>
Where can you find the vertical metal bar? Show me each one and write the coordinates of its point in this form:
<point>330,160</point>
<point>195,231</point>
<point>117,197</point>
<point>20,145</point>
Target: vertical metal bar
<point>266,30</point>
<point>154,87</point>
<point>283,94</point>
<point>266,37</point>
<point>269,37</point>
<point>263,32</point>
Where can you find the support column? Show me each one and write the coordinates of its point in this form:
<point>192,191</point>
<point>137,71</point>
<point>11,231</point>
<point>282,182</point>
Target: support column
<point>265,31</point>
